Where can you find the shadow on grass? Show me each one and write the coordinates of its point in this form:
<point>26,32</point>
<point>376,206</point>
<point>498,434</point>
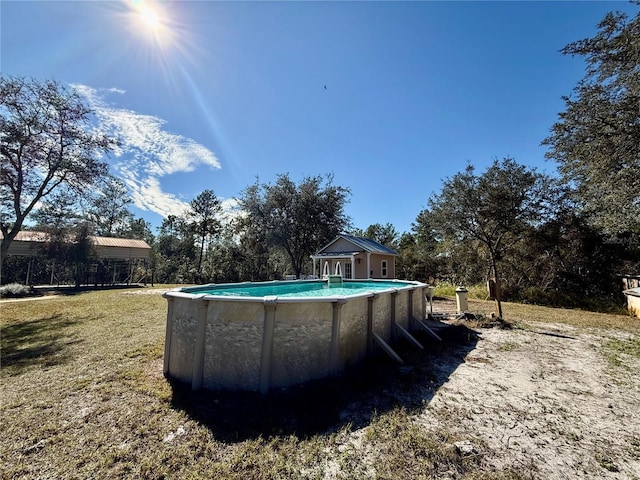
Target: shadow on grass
<point>353,399</point>
<point>40,341</point>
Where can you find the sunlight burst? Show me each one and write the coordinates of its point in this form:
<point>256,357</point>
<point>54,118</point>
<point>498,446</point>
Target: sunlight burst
<point>149,17</point>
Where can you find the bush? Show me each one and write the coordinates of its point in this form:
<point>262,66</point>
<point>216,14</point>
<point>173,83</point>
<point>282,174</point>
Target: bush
<point>560,298</point>
<point>568,299</point>
<point>447,289</point>
<point>14,290</point>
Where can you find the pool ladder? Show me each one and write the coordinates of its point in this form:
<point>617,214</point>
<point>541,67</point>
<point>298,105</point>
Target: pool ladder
<point>336,278</point>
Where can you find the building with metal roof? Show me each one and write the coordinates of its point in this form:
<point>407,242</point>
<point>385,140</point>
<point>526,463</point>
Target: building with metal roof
<point>359,258</point>
<point>119,254</point>
<point>29,243</point>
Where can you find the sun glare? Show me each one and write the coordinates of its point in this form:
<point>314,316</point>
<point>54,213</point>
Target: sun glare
<point>149,17</point>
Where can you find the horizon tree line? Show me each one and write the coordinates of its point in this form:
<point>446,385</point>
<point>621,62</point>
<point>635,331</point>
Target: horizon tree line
<point>550,239</point>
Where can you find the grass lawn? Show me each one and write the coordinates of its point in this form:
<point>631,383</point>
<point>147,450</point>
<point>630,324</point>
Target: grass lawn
<point>82,395</point>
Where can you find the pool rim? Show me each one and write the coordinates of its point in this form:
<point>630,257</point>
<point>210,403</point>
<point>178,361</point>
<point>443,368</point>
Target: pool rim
<point>180,292</point>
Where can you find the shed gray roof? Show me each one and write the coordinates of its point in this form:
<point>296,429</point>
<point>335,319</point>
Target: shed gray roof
<point>361,244</point>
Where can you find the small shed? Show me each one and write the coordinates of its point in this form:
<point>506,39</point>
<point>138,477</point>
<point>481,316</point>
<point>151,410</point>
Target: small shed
<point>359,258</point>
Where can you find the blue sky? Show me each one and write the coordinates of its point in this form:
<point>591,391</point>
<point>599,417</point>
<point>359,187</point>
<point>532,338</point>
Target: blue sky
<point>221,93</point>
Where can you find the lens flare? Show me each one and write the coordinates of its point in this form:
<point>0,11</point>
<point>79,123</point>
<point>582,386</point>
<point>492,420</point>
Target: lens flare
<point>149,17</point>
<point>150,20</point>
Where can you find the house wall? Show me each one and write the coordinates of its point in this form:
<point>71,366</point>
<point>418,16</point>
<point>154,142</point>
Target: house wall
<point>376,265</point>
<point>370,266</point>
<point>360,269</point>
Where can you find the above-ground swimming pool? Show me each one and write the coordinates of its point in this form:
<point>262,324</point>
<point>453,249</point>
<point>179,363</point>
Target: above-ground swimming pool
<point>263,335</point>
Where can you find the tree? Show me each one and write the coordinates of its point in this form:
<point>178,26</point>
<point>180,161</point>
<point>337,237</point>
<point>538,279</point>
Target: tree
<point>596,141</point>
<point>386,235</point>
<point>495,209</point>
<point>419,258</point>
<point>46,144</point>
<point>298,219</point>
<point>203,216</point>
<point>175,251</point>
<point>252,237</point>
<point>141,229</point>
<point>56,213</point>
<point>109,211</point>
<point>80,250</point>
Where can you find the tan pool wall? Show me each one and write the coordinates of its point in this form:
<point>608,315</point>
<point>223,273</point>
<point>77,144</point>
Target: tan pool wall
<point>262,344</point>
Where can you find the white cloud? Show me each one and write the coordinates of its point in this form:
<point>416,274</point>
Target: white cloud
<point>149,196</point>
<point>147,152</point>
<point>231,210</point>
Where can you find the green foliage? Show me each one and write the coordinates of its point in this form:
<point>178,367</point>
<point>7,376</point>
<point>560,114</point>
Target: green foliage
<point>595,141</point>
<point>109,212</point>
<point>298,219</point>
<point>446,289</point>
<point>203,221</point>
<point>386,235</point>
<point>520,226</point>
<point>174,252</point>
<point>57,213</point>
<point>491,212</point>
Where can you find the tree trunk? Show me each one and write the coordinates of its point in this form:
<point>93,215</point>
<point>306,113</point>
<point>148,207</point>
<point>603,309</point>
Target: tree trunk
<point>201,253</point>
<point>494,267</point>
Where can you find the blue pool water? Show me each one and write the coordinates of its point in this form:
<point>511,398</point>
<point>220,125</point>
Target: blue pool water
<point>295,289</point>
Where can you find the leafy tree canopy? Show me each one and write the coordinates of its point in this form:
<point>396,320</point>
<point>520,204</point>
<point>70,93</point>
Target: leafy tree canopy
<point>203,220</point>
<point>109,212</point>
<point>495,209</point>
<point>386,235</point>
<point>298,218</point>
<point>46,143</point>
<point>596,141</point>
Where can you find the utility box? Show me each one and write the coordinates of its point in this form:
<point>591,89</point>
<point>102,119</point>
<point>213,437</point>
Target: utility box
<point>461,299</point>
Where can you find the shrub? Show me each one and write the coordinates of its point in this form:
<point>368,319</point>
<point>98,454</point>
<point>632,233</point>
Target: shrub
<point>446,289</point>
<point>14,290</point>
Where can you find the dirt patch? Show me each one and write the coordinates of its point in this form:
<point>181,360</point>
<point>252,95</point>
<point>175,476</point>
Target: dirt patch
<point>148,291</point>
<point>545,400</point>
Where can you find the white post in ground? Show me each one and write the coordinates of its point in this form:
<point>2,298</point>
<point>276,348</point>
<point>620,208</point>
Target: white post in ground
<point>461,299</point>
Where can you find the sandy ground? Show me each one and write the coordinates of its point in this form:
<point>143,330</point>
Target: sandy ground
<point>544,399</point>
